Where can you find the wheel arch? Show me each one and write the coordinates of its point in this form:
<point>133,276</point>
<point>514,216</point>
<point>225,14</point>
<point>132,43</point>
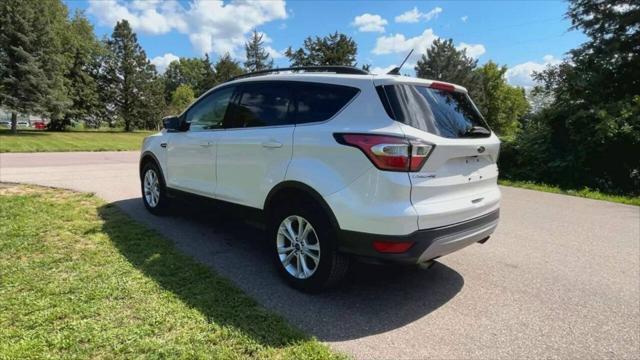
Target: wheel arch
<point>295,187</point>
<point>146,157</point>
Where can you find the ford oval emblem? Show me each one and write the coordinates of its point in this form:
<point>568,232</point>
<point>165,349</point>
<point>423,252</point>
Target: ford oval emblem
<point>481,149</point>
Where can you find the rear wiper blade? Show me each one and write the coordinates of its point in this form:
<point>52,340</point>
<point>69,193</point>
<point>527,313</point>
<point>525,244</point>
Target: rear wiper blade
<point>477,131</point>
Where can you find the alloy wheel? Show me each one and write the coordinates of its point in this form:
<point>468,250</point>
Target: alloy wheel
<point>151,188</point>
<point>298,247</point>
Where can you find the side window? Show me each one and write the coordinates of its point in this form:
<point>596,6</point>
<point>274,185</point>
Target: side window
<point>209,112</point>
<point>262,104</point>
<point>320,102</point>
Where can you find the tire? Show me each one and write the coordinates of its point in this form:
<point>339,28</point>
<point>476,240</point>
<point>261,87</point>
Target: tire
<point>331,267</point>
<point>156,201</point>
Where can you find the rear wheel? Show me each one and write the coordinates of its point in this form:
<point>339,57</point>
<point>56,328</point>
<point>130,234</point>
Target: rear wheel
<point>305,248</point>
<point>153,189</point>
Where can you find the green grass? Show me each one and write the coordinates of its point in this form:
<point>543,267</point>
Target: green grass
<point>79,279</point>
<point>585,193</point>
<point>39,140</point>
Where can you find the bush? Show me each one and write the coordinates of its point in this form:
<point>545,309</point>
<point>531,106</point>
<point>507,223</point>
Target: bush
<point>572,154</point>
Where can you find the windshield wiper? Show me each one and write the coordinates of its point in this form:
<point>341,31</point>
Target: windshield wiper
<point>477,131</point>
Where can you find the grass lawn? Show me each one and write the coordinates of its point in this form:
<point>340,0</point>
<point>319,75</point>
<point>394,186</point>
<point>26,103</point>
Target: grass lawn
<point>79,279</point>
<point>39,140</point>
<point>585,193</point>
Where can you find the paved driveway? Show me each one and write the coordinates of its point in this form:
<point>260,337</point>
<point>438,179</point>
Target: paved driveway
<point>560,278</point>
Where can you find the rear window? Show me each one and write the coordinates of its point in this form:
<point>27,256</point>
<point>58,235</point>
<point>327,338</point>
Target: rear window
<point>320,102</point>
<point>440,112</point>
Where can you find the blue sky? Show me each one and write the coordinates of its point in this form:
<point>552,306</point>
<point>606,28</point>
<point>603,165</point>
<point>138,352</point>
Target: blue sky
<point>523,35</point>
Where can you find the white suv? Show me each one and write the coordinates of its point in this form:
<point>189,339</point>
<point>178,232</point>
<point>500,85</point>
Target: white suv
<point>337,163</point>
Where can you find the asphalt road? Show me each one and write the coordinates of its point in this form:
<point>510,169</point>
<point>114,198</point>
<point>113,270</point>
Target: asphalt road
<point>559,279</point>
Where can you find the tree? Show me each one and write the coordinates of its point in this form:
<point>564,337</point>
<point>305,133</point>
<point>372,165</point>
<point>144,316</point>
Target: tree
<point>28,47</point>
<point>127,75</point>
<point>181,98</point>
<point>503,105</point>
<point>195,72</point>
<point>83,52</point>
<point>334,49</point>
<point>226,68</point>
<point>209,78</point>
<point>446,63</point>
<point>590,132</point>
<point>53,27</point>
<point>155,109</point>
<point>257,56</point>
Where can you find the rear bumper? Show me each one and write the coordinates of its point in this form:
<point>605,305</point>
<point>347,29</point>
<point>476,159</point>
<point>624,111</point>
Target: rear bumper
<point>428,244</point>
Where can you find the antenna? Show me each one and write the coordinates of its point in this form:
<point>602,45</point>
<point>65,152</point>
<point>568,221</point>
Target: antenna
<point>396,70</point>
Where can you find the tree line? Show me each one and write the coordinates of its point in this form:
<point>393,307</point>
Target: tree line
<point>579,127</point>
<point>54,65</point>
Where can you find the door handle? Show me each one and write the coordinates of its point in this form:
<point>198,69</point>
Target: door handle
<point>271,144</point>
<point>206,144</point>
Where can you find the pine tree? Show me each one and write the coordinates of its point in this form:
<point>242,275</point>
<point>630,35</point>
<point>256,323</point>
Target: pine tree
<point>334,49</point>
<point>226,68</point>
<point>127,74</point>
<point>155,107</point>
<point>52,27</point>
<point>83,50</point>
<point>21,74</point>
<point>208,78</point>
<point>257,56</point>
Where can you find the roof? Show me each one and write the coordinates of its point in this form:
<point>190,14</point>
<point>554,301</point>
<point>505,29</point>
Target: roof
<point>333,74</point>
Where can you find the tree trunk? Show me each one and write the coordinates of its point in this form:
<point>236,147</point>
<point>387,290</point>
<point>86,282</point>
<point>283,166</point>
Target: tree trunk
<point>14,122</point>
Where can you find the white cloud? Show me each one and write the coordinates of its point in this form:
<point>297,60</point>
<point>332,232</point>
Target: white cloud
<point>464,18</point>
<point>414,15</point>
<point>473,50</point>
<point>275,54</point>
<point>380,70</point>
<point>161,62</point>
<point>432,14</point>
<point>411,16</point>
<point>398,43</point>
<point>211,25</point>
<point>520,75</point>
<point>369,23</point>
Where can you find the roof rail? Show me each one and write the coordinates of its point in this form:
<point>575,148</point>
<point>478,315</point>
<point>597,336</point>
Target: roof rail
<point>328,68</point>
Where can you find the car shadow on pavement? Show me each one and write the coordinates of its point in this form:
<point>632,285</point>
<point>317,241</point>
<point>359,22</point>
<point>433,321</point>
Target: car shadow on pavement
<point>373,299</point>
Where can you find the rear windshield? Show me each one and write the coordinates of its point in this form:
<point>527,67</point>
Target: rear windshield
<point>444,113</point>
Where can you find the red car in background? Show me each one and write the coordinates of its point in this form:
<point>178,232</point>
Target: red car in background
<point>39,125</point>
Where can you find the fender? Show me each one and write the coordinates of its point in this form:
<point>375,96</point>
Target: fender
<point>290,184</point>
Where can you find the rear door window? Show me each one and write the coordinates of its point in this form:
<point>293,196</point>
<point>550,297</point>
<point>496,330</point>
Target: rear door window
<point>319,102</point>
<point>262,104</point>
<point>444,113</point>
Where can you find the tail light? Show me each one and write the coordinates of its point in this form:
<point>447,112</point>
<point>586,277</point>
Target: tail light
<point>392,153</point>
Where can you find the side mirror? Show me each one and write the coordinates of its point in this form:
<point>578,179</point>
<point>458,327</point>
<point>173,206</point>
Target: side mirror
<point>172,123</point>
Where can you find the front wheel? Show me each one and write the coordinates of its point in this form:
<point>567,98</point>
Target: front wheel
<point>153,190</point>
<point>305,249</point>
